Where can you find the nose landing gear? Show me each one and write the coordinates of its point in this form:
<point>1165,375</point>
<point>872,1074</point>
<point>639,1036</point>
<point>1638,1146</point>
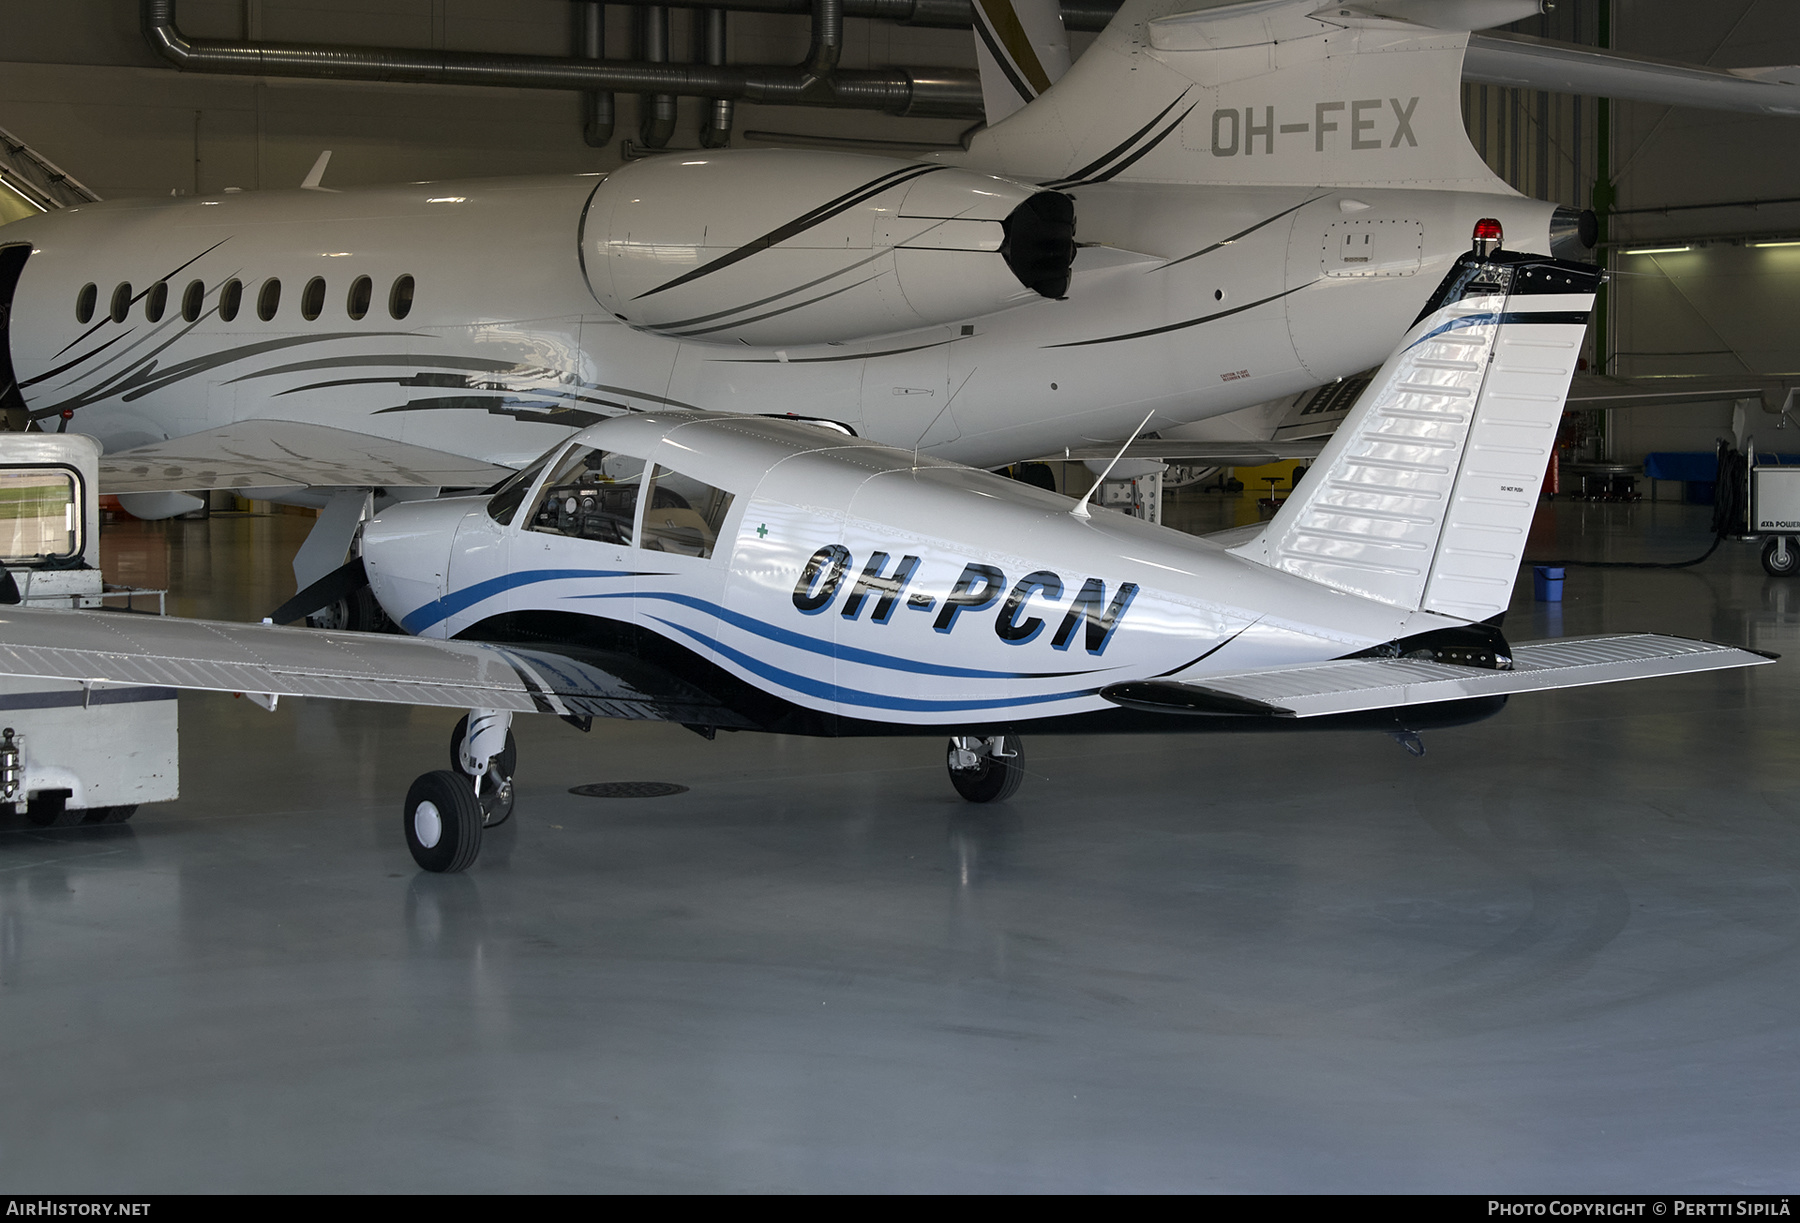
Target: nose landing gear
<point>986,769</point>
<point>447,809</point>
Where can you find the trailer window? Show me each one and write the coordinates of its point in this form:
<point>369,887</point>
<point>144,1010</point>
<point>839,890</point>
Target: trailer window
<point>40,515</point>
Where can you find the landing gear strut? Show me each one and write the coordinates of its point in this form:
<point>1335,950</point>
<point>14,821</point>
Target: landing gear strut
<point>447,809</point>
<point>986,769</point>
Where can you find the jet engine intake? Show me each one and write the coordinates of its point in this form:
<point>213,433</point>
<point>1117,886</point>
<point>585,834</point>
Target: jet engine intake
<point>778,247</point>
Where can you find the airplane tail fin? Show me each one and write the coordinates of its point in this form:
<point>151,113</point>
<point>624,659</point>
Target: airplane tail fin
<point>1021,49</point>
<point>1423,497</point>
<point>1263,92</point>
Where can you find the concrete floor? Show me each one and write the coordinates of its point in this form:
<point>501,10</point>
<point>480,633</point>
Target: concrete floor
<point>1561,952</point>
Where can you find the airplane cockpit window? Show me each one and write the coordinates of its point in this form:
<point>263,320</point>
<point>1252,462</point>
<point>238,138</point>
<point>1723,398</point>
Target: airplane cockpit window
<point>509,494</point>
<point>683,515</point>
<point>400,300</point>
<point>193,301</point>
<point>84,302</point>
<point>231,296</point>
<point>357,303</point>
<point>592,494</point>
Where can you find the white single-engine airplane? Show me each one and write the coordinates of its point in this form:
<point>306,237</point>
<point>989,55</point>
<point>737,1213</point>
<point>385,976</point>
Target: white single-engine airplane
<point>1217,206</point>
<point>739,573</point>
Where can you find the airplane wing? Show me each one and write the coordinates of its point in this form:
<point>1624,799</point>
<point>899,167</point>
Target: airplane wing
<point>1352,685</point>
<point>99,648</point>
<point>1221,454</point>
<point>287,454</point>
<point>1608,393</point>
<point>1524,62</point>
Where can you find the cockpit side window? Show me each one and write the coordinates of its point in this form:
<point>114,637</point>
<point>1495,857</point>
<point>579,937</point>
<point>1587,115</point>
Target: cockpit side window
<point>592,494</point>
<point>682,514</point>
<point>506,496</point>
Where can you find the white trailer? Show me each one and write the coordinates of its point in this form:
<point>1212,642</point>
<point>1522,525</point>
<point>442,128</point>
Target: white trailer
<point>70,752</point>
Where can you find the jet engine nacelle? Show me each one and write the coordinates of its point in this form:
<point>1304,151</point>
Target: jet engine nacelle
<point>791,247</point>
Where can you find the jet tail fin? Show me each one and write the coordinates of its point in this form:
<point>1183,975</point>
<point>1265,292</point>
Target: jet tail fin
<point>1258,92</point>
<point>1423,497</point>
<point>1021,49</point>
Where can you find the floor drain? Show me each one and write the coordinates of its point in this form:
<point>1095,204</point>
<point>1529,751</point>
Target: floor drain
<point>628,789</point>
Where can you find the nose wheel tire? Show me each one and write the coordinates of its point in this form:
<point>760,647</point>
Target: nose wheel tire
<point>1779,561</point>
<point>443,820</point>
<point>983,774</point>
<point>497,785</point>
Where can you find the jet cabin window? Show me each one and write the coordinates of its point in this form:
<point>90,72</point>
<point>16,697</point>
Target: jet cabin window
<point>269,300</point>
<point>84,302</point>
<point>400,300</point>
<point>312,301</point>
<point>357,304</point>
<point>231,297</point>
<point>592,494</point>
<point>193,301</point>
<point>157,301</point>
<point>121,302</point>
<point>683,515</point>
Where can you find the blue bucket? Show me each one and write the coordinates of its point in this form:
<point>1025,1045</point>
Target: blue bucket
<point>1547,583</point>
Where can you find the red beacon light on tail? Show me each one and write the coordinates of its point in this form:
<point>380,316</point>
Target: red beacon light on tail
<point>1487,236</point>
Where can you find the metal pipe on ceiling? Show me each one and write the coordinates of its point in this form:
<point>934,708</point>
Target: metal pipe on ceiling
<point>657,121</point>
<point>1088,16</point>
<point>949,93</point>
<point>597,104</point>
<point>717,116</point>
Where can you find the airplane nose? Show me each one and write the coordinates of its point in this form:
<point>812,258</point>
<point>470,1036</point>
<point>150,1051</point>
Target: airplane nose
<point>406,552</point>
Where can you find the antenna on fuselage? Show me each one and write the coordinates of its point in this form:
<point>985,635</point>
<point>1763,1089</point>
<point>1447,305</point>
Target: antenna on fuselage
<point>940,412</point>
<point>316,175</point>
<point>1081,506</point>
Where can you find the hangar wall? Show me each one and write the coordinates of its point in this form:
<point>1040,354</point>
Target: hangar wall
<point>79,83</point>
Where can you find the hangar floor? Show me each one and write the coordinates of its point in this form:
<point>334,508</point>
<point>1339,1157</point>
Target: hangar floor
<point>1557,953</point>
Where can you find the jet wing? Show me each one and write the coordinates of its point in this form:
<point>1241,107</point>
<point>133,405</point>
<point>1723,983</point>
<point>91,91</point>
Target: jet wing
<point>1219,454</point>
<point>1608,393</point>
<point>1352,685</point>
<point>100,648</point>
<point>1524,62</point>
<point>287,454</point>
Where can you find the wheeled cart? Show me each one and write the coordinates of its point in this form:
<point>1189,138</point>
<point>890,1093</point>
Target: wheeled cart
<point>70,753</point>
<point>1775,516</point>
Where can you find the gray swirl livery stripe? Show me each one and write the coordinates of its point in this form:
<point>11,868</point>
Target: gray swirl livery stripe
<point>801,288</point>
<point>824,212</point>
<point>107,318</point>
<point>852,356</point>
<point>148,379</point>
<point>787,309</point>
<point>1107,175</point>
<point>1167,327</point>
<point>1242,233</point>
<point>1117,150</point>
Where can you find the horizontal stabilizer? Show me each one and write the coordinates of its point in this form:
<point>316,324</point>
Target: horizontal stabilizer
<point>1605,392</point>
<point>1352,685</point>
<point>1520,61</point>
<point>286,454</point>
<point>266,660</point>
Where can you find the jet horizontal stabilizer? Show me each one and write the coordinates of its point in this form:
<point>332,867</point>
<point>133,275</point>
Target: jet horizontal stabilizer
<point>1354,685</point>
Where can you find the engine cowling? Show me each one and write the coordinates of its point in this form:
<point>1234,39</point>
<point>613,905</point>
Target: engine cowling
<point>793,247</point>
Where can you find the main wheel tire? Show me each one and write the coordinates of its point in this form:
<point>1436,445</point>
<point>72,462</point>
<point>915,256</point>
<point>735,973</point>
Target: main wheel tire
<point>995,778</point>
<point>443,822</point>
<point>108,815</point>
<point>1771,559</point>
<point>357,612</point>
<point>50,809</point>
<point>499,775</point>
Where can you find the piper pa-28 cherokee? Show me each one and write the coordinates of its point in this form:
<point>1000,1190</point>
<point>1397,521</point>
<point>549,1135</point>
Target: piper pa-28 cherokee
<point>1252,223</point>
<point>740,573</point>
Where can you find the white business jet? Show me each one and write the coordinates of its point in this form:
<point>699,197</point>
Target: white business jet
<point>1189,221</point>
<point>750,574</point>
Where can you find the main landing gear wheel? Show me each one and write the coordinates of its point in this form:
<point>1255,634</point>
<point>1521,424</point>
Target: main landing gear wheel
<point>986,770</point>
<point>50,809</point>
<point>497,784</point>
<point>1781,557</point>
<point>443,822</point>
